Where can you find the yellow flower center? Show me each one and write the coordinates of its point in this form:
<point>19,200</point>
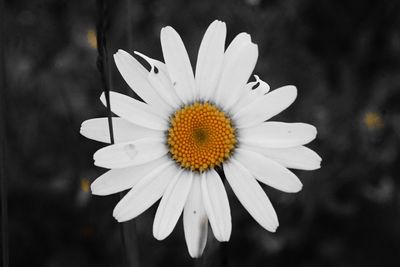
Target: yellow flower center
<point>200,136</point>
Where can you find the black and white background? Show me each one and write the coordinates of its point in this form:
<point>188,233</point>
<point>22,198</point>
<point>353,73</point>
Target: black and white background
<point>344,58</point>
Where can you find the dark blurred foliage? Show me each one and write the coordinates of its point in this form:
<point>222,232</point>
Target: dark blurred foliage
<point>344,56</point>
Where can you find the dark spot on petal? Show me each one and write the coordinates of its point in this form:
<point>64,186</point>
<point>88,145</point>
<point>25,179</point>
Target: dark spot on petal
<point>194,212</point>
<point>174,84</point>
<point>255,86</point>
<point>130,150</point>
<point>155,70</point>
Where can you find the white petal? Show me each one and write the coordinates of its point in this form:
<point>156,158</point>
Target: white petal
<point>237,69</point>
<point>117,180</point>
<point>210,59</point>
<point>135,76</point>
<point>299,157</point>
<point>135,111</point>
<point>195,221</point>
<point>233,49</point>
<point>268,171</point>
<point>159,79</point>
<point>265,107</point>
<point>251,92</point>
<point>124,131</point>
<point>178,64</point>
<point>260,86</point>
<point>171,205</point>
<point>130,153</point>
<point>278,134</point>
<point>152,62</point>
<point>251,195</point>
<point>146,192</point>
<point>240,40</point>
<point>216,205</point>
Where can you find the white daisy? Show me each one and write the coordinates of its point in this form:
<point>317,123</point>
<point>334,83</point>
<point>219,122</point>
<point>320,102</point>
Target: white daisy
<point>169,145</point>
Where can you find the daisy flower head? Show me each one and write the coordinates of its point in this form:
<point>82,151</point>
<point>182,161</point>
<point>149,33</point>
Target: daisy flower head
<point>189,123</point>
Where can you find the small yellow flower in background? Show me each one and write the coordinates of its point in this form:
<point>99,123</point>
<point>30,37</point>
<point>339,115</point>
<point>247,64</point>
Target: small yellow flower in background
<point>91,38</point>
<point>85,185</point>
<point>373,120</point>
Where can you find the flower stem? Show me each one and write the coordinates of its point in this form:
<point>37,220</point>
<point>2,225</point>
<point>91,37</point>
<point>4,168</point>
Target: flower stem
<point>3,179</point>
<point>223,253</point>
<point>105,74</point>
<point>198,262</point>
<point>127,229</point>
<point>130,227</point>
<point>102,59</point>
<point>129,32</point>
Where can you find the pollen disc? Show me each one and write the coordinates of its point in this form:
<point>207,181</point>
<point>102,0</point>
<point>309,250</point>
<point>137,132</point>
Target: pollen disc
<point>200,136</point>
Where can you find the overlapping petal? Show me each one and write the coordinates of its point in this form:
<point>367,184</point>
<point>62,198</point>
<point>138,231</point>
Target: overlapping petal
<point>171,205</point>
<point>278,134</point>
<point>124,131</point>
<point>178,64</point>
<point>251,92</point>
<point>268,171</point>
<point>251,195</point>
<point>159,79</point>
<point>265,107</point>
<point>299,157</point>
<point>135,111</point>
<point>210,60</point>
<point>135,76</point>
<point>216,205</point>
<point>130,153</point>
<point>239,62</point>
<point>117,180</point>
<point>146,192</point>
<point>195,222</point>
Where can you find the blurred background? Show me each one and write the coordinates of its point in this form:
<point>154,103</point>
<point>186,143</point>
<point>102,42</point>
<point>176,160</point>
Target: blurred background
<point>344,57</point>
